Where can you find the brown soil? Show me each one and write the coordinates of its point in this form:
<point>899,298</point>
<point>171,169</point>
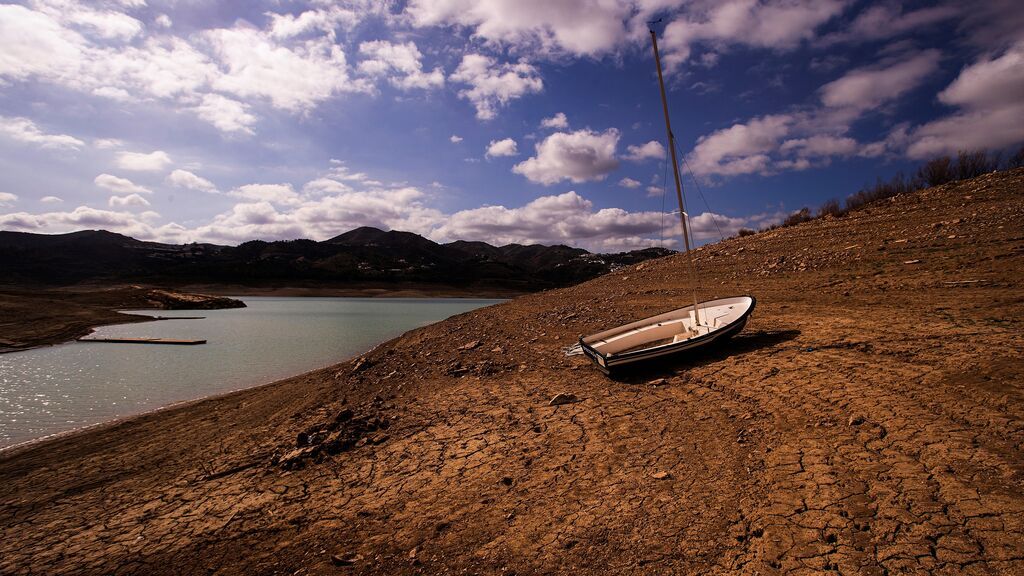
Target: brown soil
<point>869,420</point>
<point>44,316</point>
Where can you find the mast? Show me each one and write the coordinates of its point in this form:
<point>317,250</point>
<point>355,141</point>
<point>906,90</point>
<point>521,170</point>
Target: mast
<point>679,185</point>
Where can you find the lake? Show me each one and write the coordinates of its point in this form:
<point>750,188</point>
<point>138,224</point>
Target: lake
<point>59,388</point>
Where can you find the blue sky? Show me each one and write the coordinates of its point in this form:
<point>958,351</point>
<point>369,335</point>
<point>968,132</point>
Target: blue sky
<point>532,121</point>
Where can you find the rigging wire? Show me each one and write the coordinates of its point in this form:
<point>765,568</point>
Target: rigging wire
<point>664,193</point>
<point>701,192</point>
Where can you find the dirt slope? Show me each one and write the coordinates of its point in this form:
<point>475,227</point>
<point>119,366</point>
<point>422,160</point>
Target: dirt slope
<point>870,420</point>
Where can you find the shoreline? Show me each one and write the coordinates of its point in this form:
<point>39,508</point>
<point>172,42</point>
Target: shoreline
<point>867,420</point>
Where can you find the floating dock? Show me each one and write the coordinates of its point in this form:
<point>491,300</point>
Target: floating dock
<point>144,341</point>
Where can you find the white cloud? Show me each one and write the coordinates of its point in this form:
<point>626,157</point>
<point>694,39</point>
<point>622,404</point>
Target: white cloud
<point>400,63</point>
<point>866,88</point>
<point>120,185</point>
<point>772,24</point>
<point>129,201</point>
<point>90,20</point>
<point>580,156</point>
<point>293,78</point>
<point>989,95</point>
<point>579,27</point>
<point>276,193</point>
<point>492,85</point>
<point>455,139</point>
<point>629,183</point>
<point>654,191</point>
<point>25,130</point>
<point>558,121</point>
<point>650,150</point>
<point>34,44</point>
<point>163,21</point>
<point>326,20</point>
<point>226,114</point>
<point>107,143</point>
<point>186,179</point>
<point>741,148</point>
<point>505,147</point>
<point>6,198</point>
<point>821,145</point>
<point>139,161</point>
<point>51,200</point>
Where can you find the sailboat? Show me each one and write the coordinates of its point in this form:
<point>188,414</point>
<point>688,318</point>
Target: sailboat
<point>683,329</point>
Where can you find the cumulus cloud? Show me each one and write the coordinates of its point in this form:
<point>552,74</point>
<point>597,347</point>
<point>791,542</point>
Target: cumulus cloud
<point>579,27</point>
<point>6,198</point>
<point>267,193</point>
<point>989,96</point>
<point>51,200</point>
<point>163,21</point>
<point>186,179</point>
<point>325,20</point>
<point>400,63</point>
<point>493,85</point>
<point>771,24</point>
<point>142,162</point>
<point>558,121</point>
<point>629,183</point>
<point>455,139</point>
<point>226,114</point>
<point>293,78</point>
<point>25,130</point>
<point>866,88</point>
<point>652,149</point>
<point>741,148</point>
<point>129,201</point>
<point>119,185</point>
<point>505,147</point>
<point>580,156</point>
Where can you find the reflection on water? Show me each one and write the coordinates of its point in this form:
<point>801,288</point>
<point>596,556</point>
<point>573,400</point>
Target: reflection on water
<point>62,387</point>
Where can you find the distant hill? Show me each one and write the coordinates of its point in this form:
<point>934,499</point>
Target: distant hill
<point>360,256</point>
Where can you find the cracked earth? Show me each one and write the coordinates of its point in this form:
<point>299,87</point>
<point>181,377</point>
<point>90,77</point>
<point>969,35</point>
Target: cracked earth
<point>869,420</point>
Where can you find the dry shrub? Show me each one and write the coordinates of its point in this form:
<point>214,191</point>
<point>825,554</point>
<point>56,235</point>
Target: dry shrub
<point>974,163</point>
<point>801,215</point>
<point>745,232</point>
<point>831,208</point>
<point>936,172</point>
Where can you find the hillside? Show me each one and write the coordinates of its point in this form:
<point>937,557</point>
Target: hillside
<point>361,257</point>
<point>869,420</point>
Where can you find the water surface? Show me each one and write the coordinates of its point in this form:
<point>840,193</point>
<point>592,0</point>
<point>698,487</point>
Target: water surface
<point>59,388</point>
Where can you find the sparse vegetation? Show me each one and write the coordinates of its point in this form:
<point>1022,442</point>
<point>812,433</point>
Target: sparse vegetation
<point>935,172</point>
<point>746,232</point>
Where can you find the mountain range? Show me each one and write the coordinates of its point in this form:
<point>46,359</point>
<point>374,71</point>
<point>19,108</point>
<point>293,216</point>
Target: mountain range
<point>364,256</point>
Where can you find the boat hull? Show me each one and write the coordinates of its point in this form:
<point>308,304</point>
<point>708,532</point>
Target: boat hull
<point>621,361</point>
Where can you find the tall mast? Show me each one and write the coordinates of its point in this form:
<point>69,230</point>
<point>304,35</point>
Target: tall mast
<point>679,185</point>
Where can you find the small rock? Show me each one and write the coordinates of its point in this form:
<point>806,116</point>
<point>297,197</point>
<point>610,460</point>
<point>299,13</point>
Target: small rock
<point>911,261</point>
<point>470,345</point>
<point>497,350</point>
<point>661,475</point>
<point>413,553</point>
<point>344,416</point>
<point>563,398</point>
<point>657,382</point>
<point>856,420</point>
<point>345,559</point>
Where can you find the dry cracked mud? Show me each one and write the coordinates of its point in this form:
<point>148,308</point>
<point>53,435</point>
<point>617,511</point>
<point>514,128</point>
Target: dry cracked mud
<point>869,420</point>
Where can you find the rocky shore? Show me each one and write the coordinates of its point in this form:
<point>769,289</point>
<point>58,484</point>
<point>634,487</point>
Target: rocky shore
<point>869,420</point>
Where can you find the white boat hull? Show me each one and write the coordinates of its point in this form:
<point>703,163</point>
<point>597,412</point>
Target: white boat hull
<point>667,334</point>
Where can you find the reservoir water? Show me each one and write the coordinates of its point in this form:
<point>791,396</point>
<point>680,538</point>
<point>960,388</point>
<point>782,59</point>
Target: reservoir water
<point>58,388</point>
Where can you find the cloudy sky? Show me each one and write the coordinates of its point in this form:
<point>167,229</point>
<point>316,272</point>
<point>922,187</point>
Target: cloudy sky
<point>495,120</point>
